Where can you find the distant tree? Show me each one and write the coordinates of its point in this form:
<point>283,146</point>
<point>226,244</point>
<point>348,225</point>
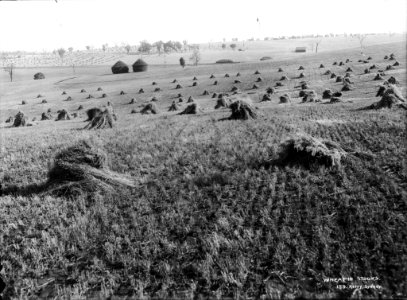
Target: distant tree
<point>182,62</point>
<point>70,49</point>
<point>317,43</point>
<point>223,46</point>
<point>361,38</point>
<point>233,46</point>
<point>104,47</point>
<point>128,48</point>
<point>145,47</point>
<point>169,47</point>
<point>61,52</point>
<point>88,48</point>
<point>196,56</point>
<point>9,68</point>
<point>185,43</point>
<point>178,46</point>
<point>159,46</point>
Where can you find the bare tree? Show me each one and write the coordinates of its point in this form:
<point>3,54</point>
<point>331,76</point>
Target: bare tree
<point>196,56</point>
<point>361,38</point>
<point>9,68</point>
<point>104,47</point>
<point>128,48</point>
<point>61,53</point>
<point>317,43</point>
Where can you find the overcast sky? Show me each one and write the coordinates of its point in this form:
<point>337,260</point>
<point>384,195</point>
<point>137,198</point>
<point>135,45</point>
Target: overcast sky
<point>47,25</point>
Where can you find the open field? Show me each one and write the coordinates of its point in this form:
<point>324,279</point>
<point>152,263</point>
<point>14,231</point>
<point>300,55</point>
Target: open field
<point>209,215</point>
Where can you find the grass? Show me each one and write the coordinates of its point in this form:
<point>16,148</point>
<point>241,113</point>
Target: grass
<point>207,217</point>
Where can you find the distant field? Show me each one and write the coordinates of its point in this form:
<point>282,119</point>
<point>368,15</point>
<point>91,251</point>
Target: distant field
<point>208,216</point>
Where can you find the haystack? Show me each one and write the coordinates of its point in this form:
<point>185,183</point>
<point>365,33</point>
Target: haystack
<point>280,70</point>
<point>255,86</point>
<point>349,69</point>
<point>89,96</point>
<point>23,102</point>
<point>93,113</point>
<point>212,76</point>
<point>190,99</point>
<point>337,94</point>
<point>205,93</point>
<point>270,90</point>
<point>178,87</point>
<point>149,108</point>
<point>378,77</point>
<point>180,99</point>
<point>174,81</point>
<point>154,99</point>
<point>257,72</point>
<point>63,93</point>
<point>80,107</point>
<point>120,67</point>
<point>103,95</point>
<point>380,91</point>
<point>214,95</point>
<point>215,82</point>
<point>10,119</point>
<point>333,75</point>
<point>285,98</point>
<point>335,63</point>
<point>227,75</point>
<point>310,96</point>
<point>386,57</point>
<point>99,89</point>
<point>238,74</point>
<point>237,81</point>
<point>396,64</point>
<point>327,94</point>
<point>392,57</point>
<point>301,75</point>
<point>335,100</point>
<point>242,110</point>
<point>347,80</point>
<point>179,95</point>
<point>38,76</point>
<point>327,72</point>
<point>304,86</point>
<point>190,109</point>
<point>194,78</point>
<point>339,79</point>
<point>132,101</point>
<point>367,71</point>
<point>372,67</point>
<point>308,151</point>
<point>392,80</point>
<point>389,67</point>
<point>347,60</point>
<point>346,87</point>
<point>63,115</point>
<point>173,107</point>
<point>266,97</point>
<point>154,83</point>
<point>369,58</point>
<point>122,93</point>
<point>321,66</point>
<point>82,168</point>
<point>301,68</point>
<point>392,96</point>
<point>195,83</point>
<point>103,120</point>
<point>278,83</point>
<point>259,79</point>
<point>141,91</point>
<point>341,63</point>
<point>140,66</point>
<point>39,96</point>
<point>19,119</point>
<point>69,98</point>
<point>234,89</point>
<point>284,78</point>
<point>157,90</point>
<point>83,91</point>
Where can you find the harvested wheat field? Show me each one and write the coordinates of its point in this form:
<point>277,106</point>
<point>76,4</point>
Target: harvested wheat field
<point>234,195</point>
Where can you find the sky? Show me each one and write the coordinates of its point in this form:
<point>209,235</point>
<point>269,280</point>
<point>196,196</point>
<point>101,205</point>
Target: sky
<point>46,25</point>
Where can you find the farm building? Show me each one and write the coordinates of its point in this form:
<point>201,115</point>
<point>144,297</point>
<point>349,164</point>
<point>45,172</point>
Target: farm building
<point>301,49</point>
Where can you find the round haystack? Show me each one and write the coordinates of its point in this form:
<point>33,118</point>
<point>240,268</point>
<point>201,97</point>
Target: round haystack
<point>140,66</point>
<point>104,119</point>
<point>178,87</point>
<point>389,67</point>
<point>321,66</point>
<point>99,89</point>
<point>190,99</point>
<point>23,102</point>
<point>214,95</point>
<point>396,64</point>
<point>349,69</point>
<point>285,98</point>
<point>150,108</point>
<point>301,75</point>
<point>266,97</point>
<point>339,79</point>
<point>259,79</point>
<point>154,99</point>
<point>222,102</point>
<point>227,75</point>
<point>301,68</point>
<point>372,67</point>
<point>132,101</point>
<point>238,74</point>
<point>242,110</point>
<point>89,96</point>
<point>270,90</point>
<point>257,72</point>
<point>191,109</point>
<point>195,83</point>
<point>280,70</point>
<point>141,91</point>
<point>341,63</point>
<point>335,63</point>
<point>205,93</point>
<point>283,78</point>
<point>38,76</point>
<point>63,115</point>
<point>157,90</point>
<point>173,107</point>
<point>327,94</point>
<point>39,96</point>
<point>378,77</point>
<point>212,76</point>
<point>20,119</point>
<point>333,75</point>
<point>215,82</point>
<point>392,80</point>
<point>83,168</point>
<point>327,72</point>
<point>335,100</point>
<point>255,86</point>
<point>278,83</point>
<point>346,87</point>
<point>120,67</point>
<point>80,107</point>
<point>307,152</point>
<point>63,93</point>
<point>367,71</point>
<point>237,81</point>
